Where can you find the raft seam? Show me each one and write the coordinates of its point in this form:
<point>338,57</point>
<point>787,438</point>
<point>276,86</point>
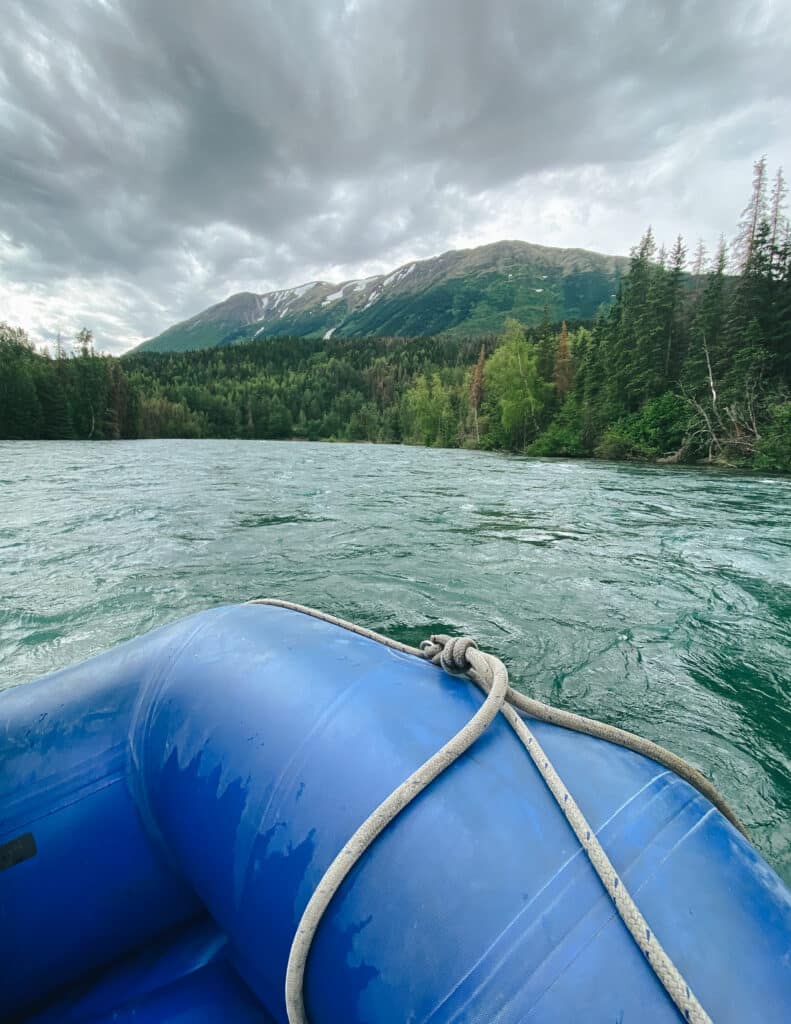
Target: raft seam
<point>567,864</point>
<point>85,792</point>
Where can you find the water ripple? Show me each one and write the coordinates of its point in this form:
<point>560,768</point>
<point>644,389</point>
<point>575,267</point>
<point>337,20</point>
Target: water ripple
<point>653,598</point>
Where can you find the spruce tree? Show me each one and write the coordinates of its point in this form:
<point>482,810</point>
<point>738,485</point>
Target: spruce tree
<point>564,369</point>
<point>476,391</point>
<point>753,214</point>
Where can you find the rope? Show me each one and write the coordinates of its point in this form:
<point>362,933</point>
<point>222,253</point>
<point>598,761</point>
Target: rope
<point>460,655</point>
<point>661,964</point>
<point>554,716</point>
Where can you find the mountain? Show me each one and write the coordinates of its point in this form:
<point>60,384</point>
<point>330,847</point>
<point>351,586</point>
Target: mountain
<point>466,291</point>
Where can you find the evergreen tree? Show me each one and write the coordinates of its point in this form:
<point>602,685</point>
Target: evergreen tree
<point>476,391</point>
<point>20,408</point>
<point>564,369</point>
<point>752,216</point>
<point>776,220</point>
<point>699,262</point>
<point>84,342</point>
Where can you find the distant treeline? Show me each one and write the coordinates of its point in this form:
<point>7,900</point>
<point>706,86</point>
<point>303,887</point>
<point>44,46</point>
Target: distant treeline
<point>681,367</point>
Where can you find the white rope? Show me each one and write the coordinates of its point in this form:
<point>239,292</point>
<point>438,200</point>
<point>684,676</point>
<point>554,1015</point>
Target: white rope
<point>461,655</point>
<point>554,716</point>
<point>661,964</point>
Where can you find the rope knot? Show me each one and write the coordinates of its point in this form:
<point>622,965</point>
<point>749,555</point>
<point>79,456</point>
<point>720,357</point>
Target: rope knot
<point>450,652</point>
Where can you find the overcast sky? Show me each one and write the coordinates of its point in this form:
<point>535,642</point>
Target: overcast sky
<point>158,155</point>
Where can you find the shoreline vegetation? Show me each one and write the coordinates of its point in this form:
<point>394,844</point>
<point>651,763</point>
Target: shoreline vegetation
<point>689,365</point>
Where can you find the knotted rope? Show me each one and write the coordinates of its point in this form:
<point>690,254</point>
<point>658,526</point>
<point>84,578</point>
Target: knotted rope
<point>461,656</point>
<point>663,967</point>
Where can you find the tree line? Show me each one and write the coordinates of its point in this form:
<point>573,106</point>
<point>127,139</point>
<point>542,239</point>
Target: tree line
<point>689,364</point>
<point>77,395</point>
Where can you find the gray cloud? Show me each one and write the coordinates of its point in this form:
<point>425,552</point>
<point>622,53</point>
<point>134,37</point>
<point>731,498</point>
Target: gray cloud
<point>156,156</point>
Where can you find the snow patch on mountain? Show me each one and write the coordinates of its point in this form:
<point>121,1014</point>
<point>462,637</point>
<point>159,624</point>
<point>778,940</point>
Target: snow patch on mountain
<point>300,290</point>
<point>398,275</point>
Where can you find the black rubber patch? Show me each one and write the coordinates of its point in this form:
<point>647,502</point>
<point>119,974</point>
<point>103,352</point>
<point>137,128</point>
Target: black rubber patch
<point>16,850</point>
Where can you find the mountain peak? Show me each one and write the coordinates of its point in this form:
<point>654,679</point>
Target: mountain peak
<point>468,291</point>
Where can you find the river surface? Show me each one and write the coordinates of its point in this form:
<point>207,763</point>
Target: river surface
<point>654,598</point>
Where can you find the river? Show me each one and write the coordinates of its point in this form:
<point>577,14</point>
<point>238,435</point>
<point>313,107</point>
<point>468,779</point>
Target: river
<point>654,598</point>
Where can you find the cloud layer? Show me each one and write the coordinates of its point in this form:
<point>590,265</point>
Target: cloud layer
<point>155,157</point>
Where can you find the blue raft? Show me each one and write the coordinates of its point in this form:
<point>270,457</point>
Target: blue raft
<point>167,808</point>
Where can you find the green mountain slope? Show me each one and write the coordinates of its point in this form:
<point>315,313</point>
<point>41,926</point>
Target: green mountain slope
<point>469,291</point>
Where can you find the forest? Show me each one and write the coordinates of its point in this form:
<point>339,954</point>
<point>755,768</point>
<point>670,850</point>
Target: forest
<point>691,364</point>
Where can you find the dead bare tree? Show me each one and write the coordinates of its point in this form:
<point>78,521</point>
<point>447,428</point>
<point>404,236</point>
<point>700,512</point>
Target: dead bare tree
<point>725,428</point>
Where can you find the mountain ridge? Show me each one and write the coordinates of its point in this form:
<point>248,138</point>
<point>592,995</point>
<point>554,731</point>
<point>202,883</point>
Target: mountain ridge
<point>459,291</point>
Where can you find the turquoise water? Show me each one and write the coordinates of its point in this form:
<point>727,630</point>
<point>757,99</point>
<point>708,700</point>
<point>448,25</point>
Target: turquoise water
<point>657,599</point>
